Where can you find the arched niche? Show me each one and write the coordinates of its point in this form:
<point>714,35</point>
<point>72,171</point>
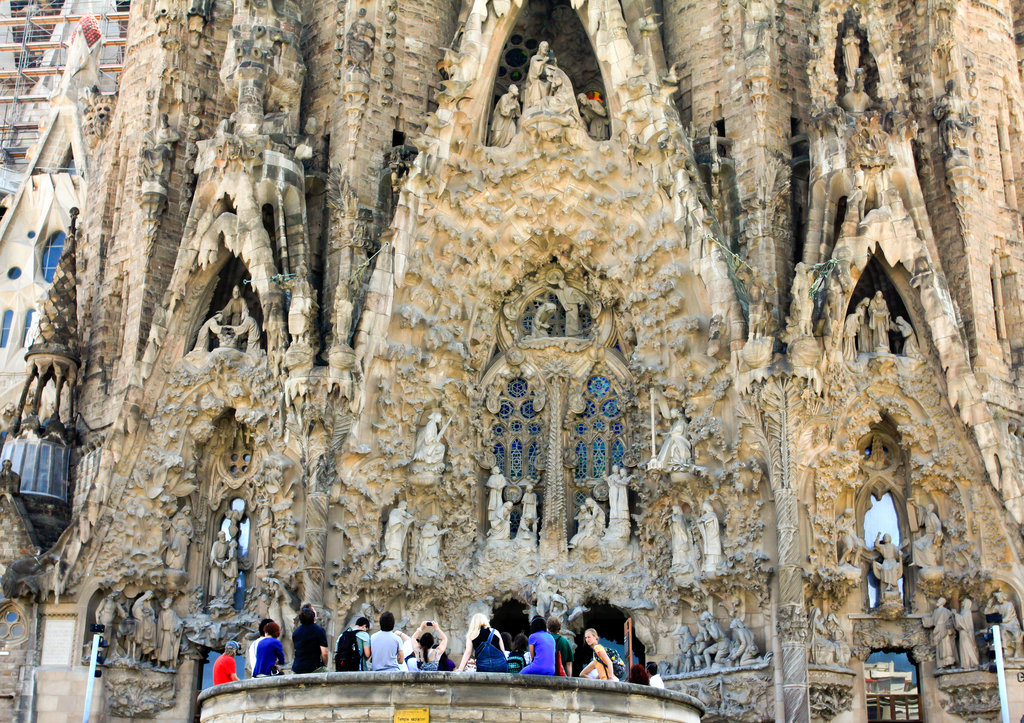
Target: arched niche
<point>874,279</point>
<point>849,30</point>
<point>609,622</point>
<point>511,616</point>
<point>233,274</point>
<point>559,25</point>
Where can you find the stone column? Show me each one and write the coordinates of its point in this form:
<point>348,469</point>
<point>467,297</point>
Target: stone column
<point>553,543</point>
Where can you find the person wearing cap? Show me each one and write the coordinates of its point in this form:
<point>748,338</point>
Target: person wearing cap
<point>225,669</point>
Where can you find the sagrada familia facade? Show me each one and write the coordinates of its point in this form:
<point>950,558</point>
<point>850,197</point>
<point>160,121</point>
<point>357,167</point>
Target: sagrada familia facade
<point>703,315</point>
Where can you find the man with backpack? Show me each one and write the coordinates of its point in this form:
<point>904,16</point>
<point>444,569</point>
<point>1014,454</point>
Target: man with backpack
<point>352,651</point>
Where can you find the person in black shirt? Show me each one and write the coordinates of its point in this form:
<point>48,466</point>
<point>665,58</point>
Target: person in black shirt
<point>310,641</point>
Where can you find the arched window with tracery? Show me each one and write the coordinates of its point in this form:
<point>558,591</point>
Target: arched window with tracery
<point>517,432</point>
<point>599,431</point>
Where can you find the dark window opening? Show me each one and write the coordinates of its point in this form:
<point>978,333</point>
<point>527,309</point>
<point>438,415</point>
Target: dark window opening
<point>512,617</point>
<point>397,139</point>
<point>609,622</point>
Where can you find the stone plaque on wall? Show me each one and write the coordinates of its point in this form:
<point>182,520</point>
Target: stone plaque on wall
<point>58,641</point>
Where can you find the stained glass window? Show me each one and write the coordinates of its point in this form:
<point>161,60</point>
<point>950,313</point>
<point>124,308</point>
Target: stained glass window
<point>599,431</point>
<point>516,432</point>
<point>545,316</point>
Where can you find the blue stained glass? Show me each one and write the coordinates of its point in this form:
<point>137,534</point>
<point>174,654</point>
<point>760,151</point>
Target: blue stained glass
<point>531,459</point>
<point>617,428</point>
<point>598,425</point>
<point>506,409</point>
<point>517,388</point>
<point>534,429</point>
<point>599,458</point>
<point>618,452</point>
<point>526,409</point>
<point>580,499</point>
<point>515,426</point>
<point>581,460</point>
<point>499,454</point>
<point>598,386</point>
<point>610,408</point>
<point>498,431</point>
<point>581,429</point>
<point>590,409</point>
<point>515,461</point>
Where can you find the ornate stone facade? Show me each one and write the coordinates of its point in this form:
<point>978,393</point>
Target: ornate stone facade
<point>707,318</point>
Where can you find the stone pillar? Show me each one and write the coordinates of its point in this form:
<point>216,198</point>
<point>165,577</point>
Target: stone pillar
<point>553,543</point>
<point>321,464</point>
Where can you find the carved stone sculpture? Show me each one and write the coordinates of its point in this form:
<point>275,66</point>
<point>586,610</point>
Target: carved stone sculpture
<point>529,517</point>
<point>168,634</point>
<point>144,640</point>
<point>954,120</point>
<point>571,300</point>
<point>802,305</point>
<point>889,568</point>
<point>878,313</point>
<point>220,554</point>
<point>682,542</point>
<point>851,329</point>
<point>849,544</point>
<point>851,54</point>
<point>967,645</point>
<point>428,551</point>
<point>590,525</point>
<point>506,114</point>
<point>711,536</point>
<point>943,633</point>
<point>501,522</point>
<point>495,488</point>
<point>108,612</point>
<point>395,534</point>
<point>927,547</point>
<point>430,447</point>
<point>10,481</point>
<point>595,116</point>
<point>676,450</point>
<point>713,639</point>
<point>537,84</point>
<point>743,648</point>
<point>180,534</point>
<point>1010,628</point>
<point>910,348</point>
<point>618,496</point>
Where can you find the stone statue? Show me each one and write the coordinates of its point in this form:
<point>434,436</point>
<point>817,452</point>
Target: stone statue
<point>743,648</point>
<point>428,551</point>
<point>549,600</point>
<point>676,450</point>
<point>501,522</point>
<point>865,341</point>
<point>711,535</point>
<point>943,632</point>
<point>395,534</point>
<point>822,650</point>
<point>967,645</point>
<point>590,525</point>
<point>686,650</point>
<point>848,543</point>
<point>928,546</point>
<point>838,638</point>
<point>802,305</point>
<point>10,481</point>
<point>1009,629</point>
<point>542,318</point>
<point>951,113</point>
<point>595,117</point>
<point>168,637</point>
<point>495,487</point>
<point>220,553</point>
<point>682,543</point>
<point>231,324</point>
<point>889,569</point>
<point>263,537</point>
<point>571,299</point>
<point>429,445</point>
<point>618,495</point>
<point>879,322</point>
<point>856,100</point>
<point>236,310</point>
<point>537,87</point>
<point>145,627</point>
<point>851,55</point>
<point>503,123</point>
<point>108,611</point>
<point>714,640</point>
<point>851,330</point>
<point>528,518</point>
<point>910,348</point>
<point>180,535</point>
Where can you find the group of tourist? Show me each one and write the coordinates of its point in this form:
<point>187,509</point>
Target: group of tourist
<point>544,652</point>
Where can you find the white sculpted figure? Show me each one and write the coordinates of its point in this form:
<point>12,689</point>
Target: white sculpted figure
<point>910,347</point>
<point>428,553</point>
<point>849,545</point>
<point>711,535</point>
<point>878,313</point>
<point>967,645</point>
<point>168,638</point>
<point>181,531</point>
<point>529,517</point>
<point>145,627</point>
<point>219,558</point>
<point>590,525</point>
<point>889,569</point>
<point>618,495</point>
<point>495,487</point>
<point>571,299</point>
<point>716,643</point>
<point>395,534</point>
<point>682,543</point>
<point>549,600</point>
<point>676,449</point>
<point>943,633</point>
<point>536,77</point>
<point>928,546</point>
<point>838,638</point>
<point>1009,628</point>
<point>429,445</point>
<point>851,55</point>
<point>802,306</point>
<point>501,522</point>
<point>821,646</point>
<point>506,113</point>
<point>595,116</point>
<point>743,649</point>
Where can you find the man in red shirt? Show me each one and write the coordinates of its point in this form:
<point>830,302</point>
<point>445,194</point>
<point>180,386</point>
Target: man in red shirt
<point>225,669</point>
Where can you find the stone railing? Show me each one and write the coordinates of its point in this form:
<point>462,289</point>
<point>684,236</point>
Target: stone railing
<point>387,697</point>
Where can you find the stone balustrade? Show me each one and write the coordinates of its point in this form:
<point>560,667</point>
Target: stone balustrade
<point>378,697</point>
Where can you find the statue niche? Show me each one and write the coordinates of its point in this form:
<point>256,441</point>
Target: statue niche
<point>235,318</point>
<point>855,67</point>
<point>559,311</point>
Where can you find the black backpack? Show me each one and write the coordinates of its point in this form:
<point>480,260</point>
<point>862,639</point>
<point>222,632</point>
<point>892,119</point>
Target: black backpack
<point>346,654</point>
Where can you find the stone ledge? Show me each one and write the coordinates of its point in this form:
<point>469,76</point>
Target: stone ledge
<point>375,696</point>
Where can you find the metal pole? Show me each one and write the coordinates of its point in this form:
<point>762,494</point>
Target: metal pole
<point>1004,706</point>
<point>92,678</point>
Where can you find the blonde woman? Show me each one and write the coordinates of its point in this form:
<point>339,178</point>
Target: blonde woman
<point>601,663</point>
<point>485,644</point>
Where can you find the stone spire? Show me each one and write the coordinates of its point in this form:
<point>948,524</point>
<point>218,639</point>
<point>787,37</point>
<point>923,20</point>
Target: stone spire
<point>58,318</point>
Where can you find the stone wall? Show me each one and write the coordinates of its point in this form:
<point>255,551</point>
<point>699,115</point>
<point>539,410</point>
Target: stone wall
<point>377,697</point>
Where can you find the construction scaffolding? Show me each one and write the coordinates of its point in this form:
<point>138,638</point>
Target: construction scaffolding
<point>34,37</point>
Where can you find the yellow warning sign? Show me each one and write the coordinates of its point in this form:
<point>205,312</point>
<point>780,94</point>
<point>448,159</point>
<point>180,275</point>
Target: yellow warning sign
<point>412,715</point>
